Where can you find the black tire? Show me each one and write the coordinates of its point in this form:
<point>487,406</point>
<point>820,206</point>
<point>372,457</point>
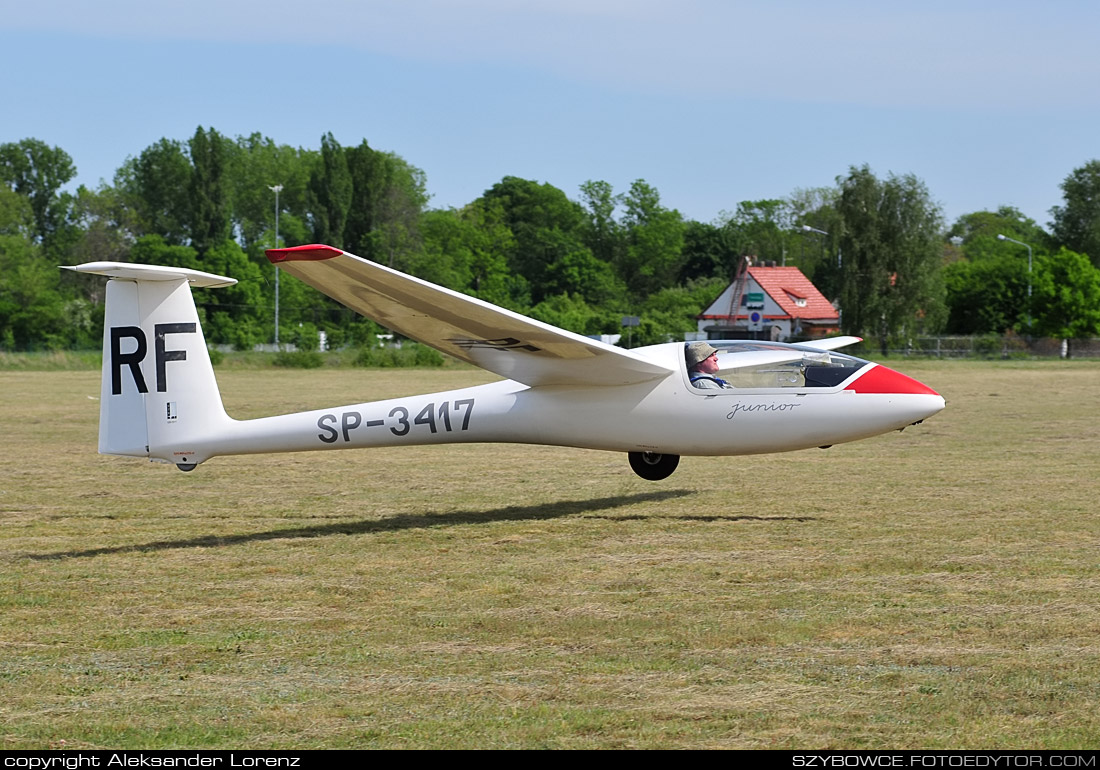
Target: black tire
<point>652,466</point>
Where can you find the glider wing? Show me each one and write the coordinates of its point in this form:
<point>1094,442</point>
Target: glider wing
<point>470,329</point>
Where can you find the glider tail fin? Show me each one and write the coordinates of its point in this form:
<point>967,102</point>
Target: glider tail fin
<point>158,395</point>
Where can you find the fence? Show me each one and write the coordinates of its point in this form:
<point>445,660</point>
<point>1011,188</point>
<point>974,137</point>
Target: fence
<point>990,346</point>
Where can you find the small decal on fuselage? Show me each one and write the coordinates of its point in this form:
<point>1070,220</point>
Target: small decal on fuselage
<point>750,408</point>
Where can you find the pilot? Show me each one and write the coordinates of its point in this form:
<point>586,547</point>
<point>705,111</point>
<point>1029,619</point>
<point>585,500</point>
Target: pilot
<point>702,364</point>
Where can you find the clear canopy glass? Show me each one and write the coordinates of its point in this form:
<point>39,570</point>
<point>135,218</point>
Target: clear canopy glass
<point>752,364</point>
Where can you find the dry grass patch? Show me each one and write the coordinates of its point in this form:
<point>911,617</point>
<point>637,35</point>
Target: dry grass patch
<point>933,588</point>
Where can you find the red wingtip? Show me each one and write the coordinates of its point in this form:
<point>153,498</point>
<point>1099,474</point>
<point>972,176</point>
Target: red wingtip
<point>882,379</point>
<point>310,252</point>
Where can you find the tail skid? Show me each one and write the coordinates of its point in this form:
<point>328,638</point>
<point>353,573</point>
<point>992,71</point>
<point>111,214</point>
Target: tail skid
<point>158,395</point>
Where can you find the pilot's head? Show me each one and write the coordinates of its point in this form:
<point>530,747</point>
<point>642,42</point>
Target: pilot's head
<point>697,352</point>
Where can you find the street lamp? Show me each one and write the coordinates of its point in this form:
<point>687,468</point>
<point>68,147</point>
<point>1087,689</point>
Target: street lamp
<point>808,229</point>
<point>276,189</point>
<point>1028,247</point>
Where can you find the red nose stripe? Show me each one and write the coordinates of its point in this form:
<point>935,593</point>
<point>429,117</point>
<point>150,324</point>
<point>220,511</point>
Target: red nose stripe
<point>309,253</point>
<point>882,379</point>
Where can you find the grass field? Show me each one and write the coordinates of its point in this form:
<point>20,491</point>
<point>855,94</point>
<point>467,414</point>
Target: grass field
<point>936,588</point>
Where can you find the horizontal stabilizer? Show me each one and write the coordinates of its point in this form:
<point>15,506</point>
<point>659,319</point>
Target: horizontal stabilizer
<point>136,272</point>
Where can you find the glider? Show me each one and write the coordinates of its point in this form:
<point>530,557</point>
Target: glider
<point>160,399</point>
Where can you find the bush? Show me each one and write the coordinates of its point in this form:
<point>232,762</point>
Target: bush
<point>409,354</point>
<point>305,337</point>
<point>988,346</point>
<point>299,359</point>
<point>426,356</point>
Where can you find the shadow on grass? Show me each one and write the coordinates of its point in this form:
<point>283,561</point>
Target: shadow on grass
<point>422,520</point>
<point>637,517</point>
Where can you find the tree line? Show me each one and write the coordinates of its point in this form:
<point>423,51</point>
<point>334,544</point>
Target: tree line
<point>876,246</point>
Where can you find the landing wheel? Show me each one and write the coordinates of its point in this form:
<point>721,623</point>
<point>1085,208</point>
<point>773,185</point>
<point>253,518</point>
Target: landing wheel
<point>652,466</point>
<point>187,467</point>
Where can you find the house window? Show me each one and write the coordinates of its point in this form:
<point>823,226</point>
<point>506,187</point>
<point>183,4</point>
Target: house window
<point>797,300</point>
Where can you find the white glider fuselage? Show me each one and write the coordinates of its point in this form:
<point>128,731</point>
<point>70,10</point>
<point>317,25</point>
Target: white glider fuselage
<point>160,398</point>
<point>666,416</point>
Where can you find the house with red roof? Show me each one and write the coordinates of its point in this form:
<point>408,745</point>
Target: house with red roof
<point>773,303</point>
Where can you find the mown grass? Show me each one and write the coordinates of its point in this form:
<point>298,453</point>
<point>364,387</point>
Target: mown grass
<point>934,588</point>
<point>53,361</point>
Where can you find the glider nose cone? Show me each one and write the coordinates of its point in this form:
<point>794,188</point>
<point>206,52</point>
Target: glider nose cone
<point>882,379</point>
<point>915,394</point>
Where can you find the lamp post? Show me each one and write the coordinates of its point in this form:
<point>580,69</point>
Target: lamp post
<point>1028,247</point>
<point>808,229</point>
<point>276,189</point>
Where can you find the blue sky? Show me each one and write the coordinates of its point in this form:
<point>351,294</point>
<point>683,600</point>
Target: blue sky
<point>711,102</point>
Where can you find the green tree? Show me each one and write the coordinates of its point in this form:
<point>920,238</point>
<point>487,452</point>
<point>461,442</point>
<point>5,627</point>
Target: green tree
<point>892,250</point>
<point>211,156</point>
<point>1076,224</point>
<point>300,303</point>
<point>467,250</point>
<point>577,271</point>
<point>156,250</point>
<point>447,254</point>
<point>32,307</point>
<point>395,234</point>
<point>16,216</point>
<point>548,229</point>
<point>1067,296</point>
<point>490,242</point>
<point>654,241</point>
<point>105,224</point>
<point>988,296</point>
<point>104,228</point>
<point>760,229</point>
<point>568,311</point>
<point>979,230</point>
<point>602,234</point>
<point>706,253</point>
<point>368,174</point>
<point>155,187</point>
<point>986,278</point>
<point>669,313</point>
<point>379,202</point>
<point>238,314</point>
<point>330,193</point>
<point>37,171</point>
<point>260,164</point>
<point>234,313</point>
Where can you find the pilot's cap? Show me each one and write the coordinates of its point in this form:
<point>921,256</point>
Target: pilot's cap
<point>695,352</point>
